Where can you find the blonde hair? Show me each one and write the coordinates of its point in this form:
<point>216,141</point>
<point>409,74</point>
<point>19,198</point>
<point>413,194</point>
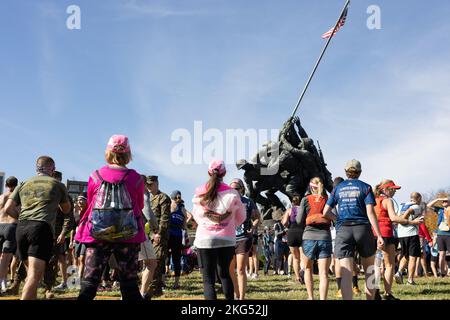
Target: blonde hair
<point>320,191</point>
<point>379,190</point>
<point>120,159</point>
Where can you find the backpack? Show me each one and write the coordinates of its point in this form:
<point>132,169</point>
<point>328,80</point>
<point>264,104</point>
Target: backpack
<point>112,216</point>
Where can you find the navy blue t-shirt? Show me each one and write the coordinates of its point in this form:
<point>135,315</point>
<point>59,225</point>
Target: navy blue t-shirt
<point>177,222</point>
<point>241,231</point>
<point>351,196</point>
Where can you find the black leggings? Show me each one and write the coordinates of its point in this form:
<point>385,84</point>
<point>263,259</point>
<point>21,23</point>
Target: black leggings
<point>175,247</point>
<point>212,260</point>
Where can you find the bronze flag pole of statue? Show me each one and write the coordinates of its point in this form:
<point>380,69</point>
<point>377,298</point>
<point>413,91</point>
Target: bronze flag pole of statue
<point>288,164</point>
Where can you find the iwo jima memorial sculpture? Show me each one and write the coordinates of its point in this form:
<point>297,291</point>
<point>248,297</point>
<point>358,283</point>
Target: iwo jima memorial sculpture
<point>287,165</point>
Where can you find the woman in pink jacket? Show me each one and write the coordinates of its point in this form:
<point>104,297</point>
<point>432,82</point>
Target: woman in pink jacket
<point>218,210</point>
<point>98,252</point>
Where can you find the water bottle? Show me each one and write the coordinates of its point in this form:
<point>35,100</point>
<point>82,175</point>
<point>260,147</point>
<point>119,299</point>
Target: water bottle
<point>378,258</point>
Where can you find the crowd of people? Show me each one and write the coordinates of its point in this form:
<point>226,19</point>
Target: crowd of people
<point>125,233</point>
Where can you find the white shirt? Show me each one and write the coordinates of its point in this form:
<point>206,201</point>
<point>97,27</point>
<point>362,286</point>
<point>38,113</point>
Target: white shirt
<point>409,230</point>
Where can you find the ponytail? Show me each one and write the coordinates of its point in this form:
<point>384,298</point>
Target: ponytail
<point>211,190</point>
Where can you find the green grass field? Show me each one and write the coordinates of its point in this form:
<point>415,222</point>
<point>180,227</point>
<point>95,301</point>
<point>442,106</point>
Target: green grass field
<point>278,287</point>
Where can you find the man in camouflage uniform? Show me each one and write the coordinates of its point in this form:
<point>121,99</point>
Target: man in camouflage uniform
<point>160,205</point>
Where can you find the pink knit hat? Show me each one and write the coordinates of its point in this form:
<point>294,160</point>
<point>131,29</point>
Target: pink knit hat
<point>218,166</point>
<point>118,143</point>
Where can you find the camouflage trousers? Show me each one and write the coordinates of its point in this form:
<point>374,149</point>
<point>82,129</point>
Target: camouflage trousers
<point>161,251</point>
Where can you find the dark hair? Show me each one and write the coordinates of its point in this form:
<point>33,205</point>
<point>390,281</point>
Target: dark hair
<point>212,185</point>
<point>296,200</point>
<point>337,180</point>
<point>45,161</point>
<point>57,175</point>
<point>11,182</point>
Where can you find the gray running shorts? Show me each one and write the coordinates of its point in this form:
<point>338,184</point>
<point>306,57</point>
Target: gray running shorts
<point>355,237</point>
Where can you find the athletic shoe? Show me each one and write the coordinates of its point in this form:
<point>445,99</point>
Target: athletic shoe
<point>398,278</point>
<point>255,276</point>
<point>302,277</point>
<point>176,286</point>
<point>356,291</point>
<point>338,294</point>
<point>377,295</point>
<point>282,272</point>
<point>13,289</point>
<point>116,285</point>
<point>61,287</point>
<point>411,283</point>
<point>390,297</point>
<point>275,273</point>
<point>49,294</point>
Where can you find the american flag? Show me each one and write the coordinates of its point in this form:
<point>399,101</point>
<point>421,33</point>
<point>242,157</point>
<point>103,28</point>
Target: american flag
<point>341,23</point>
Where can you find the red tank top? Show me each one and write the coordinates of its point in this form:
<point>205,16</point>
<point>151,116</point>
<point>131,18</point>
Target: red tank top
<point>384,222</point>
<point>315,215</point>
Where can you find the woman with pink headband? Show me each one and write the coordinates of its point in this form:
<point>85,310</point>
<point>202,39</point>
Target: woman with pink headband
<point>218,210</point>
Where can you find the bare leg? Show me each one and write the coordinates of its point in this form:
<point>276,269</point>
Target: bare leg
<point>369,272</point>
<point>442,263</point>
<point>411,268</point>
<point>5,260</point>
<point>36,268</point>
<point>324,265</point>
<point>147,274</point>
<point>346,268</point>
<point>389,263</point>
<point>241,262</point>
<point>63,267</point>
<point>295,252</point>
<point>309,280</point>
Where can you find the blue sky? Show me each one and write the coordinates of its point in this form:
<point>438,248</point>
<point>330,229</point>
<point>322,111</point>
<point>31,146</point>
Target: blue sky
<point>147,68</point>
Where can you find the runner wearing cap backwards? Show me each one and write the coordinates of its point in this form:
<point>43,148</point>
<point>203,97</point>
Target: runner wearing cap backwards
<point>386,215</point>
<point>244,241</point>
<point>218,210</point>
<point>355,201</point>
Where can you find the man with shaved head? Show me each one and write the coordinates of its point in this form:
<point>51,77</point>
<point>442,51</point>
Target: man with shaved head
<point>39,198</point>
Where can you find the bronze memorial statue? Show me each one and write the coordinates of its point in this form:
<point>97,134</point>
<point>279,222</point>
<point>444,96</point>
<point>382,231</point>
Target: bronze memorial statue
<point>286,166</point>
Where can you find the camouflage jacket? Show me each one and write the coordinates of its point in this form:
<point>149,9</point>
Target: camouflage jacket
<point>160,205</point>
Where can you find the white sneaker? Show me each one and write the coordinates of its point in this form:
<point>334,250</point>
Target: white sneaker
<point>282,272</point>
<point>254,276</point>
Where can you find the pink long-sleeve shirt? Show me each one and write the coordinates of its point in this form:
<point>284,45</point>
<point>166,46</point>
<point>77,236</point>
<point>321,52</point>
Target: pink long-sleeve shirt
<point>212,234</point>
<point>135,186</point>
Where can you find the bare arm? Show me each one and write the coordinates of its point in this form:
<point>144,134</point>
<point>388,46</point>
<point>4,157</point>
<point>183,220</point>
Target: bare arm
<point>65,207</point>
<point>328,214</point>
<point>374,223</point>
<point>388,204</point>
<point>11,209</point>
<point>285,219</point>
<point>433,202</point>
<point>256,216</point>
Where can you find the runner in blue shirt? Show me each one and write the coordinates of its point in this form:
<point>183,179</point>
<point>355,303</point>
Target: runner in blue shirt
<point>355,203</point>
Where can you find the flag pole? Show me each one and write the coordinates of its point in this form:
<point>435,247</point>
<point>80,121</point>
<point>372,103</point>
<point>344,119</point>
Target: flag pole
<point>320,58</point>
